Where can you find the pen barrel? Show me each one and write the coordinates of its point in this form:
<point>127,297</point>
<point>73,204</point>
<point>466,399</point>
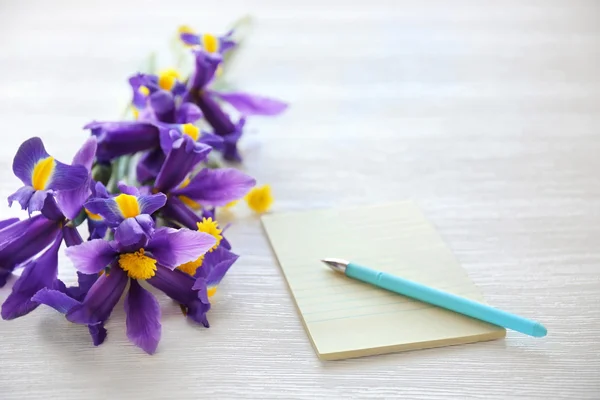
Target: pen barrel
<point>445,300</point>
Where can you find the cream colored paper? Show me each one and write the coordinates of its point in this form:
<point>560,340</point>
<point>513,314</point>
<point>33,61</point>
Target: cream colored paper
<point>346,318</point>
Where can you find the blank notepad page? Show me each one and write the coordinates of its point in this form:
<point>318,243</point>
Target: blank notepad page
<point>347,318</point>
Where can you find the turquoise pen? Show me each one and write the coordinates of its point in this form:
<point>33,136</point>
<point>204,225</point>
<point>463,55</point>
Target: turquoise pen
<point>437,297</point>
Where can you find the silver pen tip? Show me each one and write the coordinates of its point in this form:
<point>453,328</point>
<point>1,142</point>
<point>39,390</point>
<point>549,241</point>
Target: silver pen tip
<point>336,264</point>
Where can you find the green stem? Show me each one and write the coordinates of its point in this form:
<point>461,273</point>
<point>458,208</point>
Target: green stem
<point>120,173</point>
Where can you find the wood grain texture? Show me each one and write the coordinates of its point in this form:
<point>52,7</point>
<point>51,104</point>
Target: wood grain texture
<point>486,114</point>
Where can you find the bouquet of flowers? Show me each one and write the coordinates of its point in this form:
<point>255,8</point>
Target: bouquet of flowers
<point>148,189</point>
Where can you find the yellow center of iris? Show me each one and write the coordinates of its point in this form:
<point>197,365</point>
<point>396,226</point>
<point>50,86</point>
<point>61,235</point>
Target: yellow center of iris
<point>166,82</point>
<point>211,291</point>
<point>191,130</point>
<point>167,78</point>
<point>137,265</point>
<point>128,205</point>
<point>260,199</point>
<point>185,29</point>
<point>210,43</point>
<point>42,173</point>
<point>135,113</point>
<point>212,228</point>
<point>144,90</point>
<point>191,267</point>
<point>92,216</point>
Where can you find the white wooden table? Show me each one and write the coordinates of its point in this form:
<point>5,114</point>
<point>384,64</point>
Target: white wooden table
<point>487,115</point>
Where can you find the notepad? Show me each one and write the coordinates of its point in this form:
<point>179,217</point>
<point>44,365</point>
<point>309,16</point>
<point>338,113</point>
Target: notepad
<point>345,318</point>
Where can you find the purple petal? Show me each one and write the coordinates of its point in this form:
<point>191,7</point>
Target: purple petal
<point>249,104</point>
<point>99,190</point>
<point>22,196</point>
<point>143,318</point>
<point>50,209</point>
<point>226,45</point>
<point>68,177</point>
<point>7,222</point>
<point>23,240</point>
<point>150,81</point>
<point>217,187</point>
<point>206,66</point>
<point>71,201</point>
<point>58,300</point>
<point>125,188</point>
<point>29,153</point>
<point>16,229</point>
<point>208,213</point>
<point>149,165</point>
<point>163,105</point>
<point>36,231</point>
<point>230,150</point>
<point>214,141</point>
<point>190,39</point>
<point>36,203</point>
<point>38,274</point>
<point>182,158</point>
<point>214,114</point>
<point>116,139</point>
<point>134,233</point>
<point>197,309</point>
<point>63,303</point>
<point>101,299</point>
<point>98,333</point>
<point>175,284</point>
<point>171,247</point>
<point>188,113</point>
<point>4,275</point>
<point>168,135</point>
<point>178,212</point>
<point>91,257</point>
<point>151,203</point>
<point>216,264</point>
<point>179,286</point>
<point>87,152</point>
<point>97,229</point>
<point>71,236</point>
<point>178,90</point>
<point>84,284</point>
<point>107,209</point>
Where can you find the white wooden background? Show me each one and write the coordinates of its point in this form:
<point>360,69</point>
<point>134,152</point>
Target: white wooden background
<point>488,115</point>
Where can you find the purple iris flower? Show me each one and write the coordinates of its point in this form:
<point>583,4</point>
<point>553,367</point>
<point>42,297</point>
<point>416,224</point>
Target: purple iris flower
<point>22,241</point>
<point>155,99</point>
<point>42,174</point>
<point>130,204</point>
<point>151,162</point>
<point>246,104</point>
<point>171,132</point>
<point>208,42</point>
<point>209,187</point>
<point>157,253</point>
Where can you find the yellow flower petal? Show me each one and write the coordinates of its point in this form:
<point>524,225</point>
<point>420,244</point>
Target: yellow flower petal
<point>212,228</point>
<point>260,199</point>
<point>137,265</point>
<point>191,267</point>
